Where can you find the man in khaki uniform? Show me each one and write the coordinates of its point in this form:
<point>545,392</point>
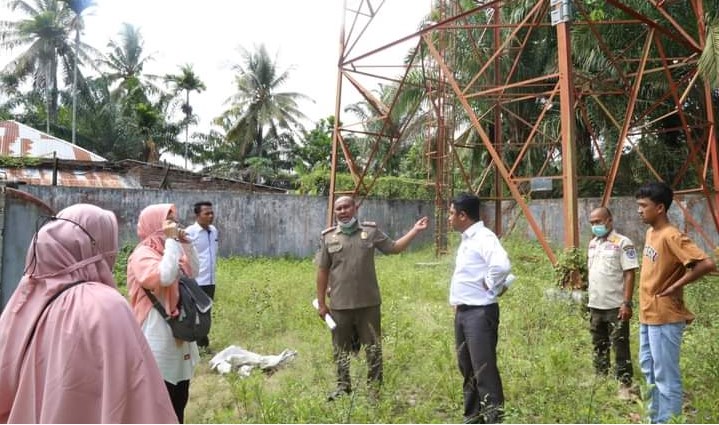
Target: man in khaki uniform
<point>345,263</point>
<point>612,262</point>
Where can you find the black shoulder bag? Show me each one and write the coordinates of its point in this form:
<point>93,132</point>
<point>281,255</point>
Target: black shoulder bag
<point>195,307</point>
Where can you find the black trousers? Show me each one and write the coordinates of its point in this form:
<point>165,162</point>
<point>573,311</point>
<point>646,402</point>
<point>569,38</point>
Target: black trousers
<point>363,326</point>
<point>210,291</point>
<point>610,332</point>
<point>179,394</point>
<point>476,334</point>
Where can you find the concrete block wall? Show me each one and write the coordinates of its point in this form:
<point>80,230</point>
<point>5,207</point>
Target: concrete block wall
<point>257,224</point>
<point>549,215</point>
<point>250,224</point>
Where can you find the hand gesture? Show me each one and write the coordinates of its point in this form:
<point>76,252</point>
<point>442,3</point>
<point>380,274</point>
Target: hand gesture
<point>182,236</point>
<point>172,230</point>
<point>421,224</point>
<point>668,292</point>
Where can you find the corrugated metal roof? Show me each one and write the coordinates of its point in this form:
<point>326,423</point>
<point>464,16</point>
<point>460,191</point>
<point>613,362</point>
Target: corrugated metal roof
<point>76,178</point>
<point>19,140</point>
<point>78,167</point>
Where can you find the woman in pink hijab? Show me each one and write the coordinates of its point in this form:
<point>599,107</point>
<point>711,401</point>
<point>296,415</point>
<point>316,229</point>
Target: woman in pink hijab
<point>75,354</point>
<point>163,253</point>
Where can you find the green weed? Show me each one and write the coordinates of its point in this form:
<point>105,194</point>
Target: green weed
<point>263,305</point>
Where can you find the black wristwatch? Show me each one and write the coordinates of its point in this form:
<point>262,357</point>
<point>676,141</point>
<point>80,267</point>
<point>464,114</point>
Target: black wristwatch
<point>629,304</point>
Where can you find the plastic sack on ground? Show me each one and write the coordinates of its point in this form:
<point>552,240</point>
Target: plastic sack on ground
<point>243,361</point>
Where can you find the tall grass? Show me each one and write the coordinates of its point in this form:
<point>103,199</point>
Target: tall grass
<point>544,349</point>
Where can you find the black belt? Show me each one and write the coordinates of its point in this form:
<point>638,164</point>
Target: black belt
<point>465,307</point>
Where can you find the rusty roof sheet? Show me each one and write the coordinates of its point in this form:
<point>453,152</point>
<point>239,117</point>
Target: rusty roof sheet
<point>74,178</point>
<point>19,140</point>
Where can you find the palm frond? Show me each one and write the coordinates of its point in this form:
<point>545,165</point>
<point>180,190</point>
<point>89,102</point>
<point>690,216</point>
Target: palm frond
<point>709,60</point>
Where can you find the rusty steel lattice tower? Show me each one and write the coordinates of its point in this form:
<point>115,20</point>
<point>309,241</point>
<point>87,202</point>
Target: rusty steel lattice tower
<point>496,81</point>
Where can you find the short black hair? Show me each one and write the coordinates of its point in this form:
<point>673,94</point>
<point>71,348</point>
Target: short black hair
<point>468,204</point>
<point>658,192</point>
<point>198,206</point>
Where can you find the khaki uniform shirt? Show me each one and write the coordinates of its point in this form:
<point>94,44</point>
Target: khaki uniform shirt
<point>667,252</point>
<point>607,259</point>
<point>350,261</point>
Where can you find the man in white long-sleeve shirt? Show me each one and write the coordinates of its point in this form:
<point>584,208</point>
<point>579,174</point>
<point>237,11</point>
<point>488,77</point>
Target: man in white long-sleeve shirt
<point>480,277</point>
<point>205,238</point>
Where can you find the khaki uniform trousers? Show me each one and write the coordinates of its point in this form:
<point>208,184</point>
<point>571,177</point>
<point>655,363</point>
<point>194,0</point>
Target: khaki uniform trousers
<point>363,326</point>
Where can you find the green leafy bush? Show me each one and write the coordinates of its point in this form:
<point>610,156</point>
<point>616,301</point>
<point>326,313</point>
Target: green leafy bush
<point>570,263</point>
<point>119,272</point>
<point>18,162</point>
<point>318,183</point>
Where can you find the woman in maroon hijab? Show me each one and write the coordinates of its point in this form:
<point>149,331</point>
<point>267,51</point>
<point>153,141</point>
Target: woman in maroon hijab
<point>75,354</point>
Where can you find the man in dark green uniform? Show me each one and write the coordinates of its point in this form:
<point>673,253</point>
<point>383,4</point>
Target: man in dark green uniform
<point>346,265</point>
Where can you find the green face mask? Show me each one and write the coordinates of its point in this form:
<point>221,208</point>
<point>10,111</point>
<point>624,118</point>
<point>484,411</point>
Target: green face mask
<point>349,227</point>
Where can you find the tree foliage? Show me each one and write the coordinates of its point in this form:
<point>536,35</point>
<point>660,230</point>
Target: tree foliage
<point>317,183</point>
<point>123,113</point>
<point>709,60</point>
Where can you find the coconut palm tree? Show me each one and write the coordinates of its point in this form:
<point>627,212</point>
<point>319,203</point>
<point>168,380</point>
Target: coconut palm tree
<point>77,6</point>
<point>709,61</point>
<point>259,113</point>
<point>186,81</point>
<point>43,35</point>
<point>110,123</point>
<point>100,119</point>
<point>125,62</point>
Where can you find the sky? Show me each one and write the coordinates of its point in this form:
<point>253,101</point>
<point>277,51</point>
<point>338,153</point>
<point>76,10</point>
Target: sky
<point>303,36</point>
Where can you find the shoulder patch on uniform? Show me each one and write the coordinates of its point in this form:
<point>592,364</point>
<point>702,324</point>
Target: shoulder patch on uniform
<point>329,229</point>
<point>369,223</point>
<point>630,252</point>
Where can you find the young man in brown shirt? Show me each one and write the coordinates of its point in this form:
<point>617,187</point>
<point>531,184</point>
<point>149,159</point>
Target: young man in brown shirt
<point>670,261</point>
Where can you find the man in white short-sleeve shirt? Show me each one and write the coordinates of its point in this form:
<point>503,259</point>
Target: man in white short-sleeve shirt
<point>205,238</point>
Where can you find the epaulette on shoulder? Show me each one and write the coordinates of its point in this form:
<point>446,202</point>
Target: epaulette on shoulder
<point>369,223</point>
<point>329,229</point>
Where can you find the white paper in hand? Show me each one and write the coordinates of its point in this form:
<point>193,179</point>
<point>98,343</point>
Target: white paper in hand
<point>328,319</point>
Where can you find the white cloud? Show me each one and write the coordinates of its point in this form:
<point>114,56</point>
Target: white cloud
<point>304,36</point>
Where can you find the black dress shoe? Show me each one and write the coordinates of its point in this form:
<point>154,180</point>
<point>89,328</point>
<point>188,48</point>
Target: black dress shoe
<point>339,392</point>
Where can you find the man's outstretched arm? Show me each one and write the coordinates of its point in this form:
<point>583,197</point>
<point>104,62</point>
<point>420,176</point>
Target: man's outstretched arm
<point>402,243</point>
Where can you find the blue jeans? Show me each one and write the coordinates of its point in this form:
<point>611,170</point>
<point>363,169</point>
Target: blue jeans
<point>659,347</point>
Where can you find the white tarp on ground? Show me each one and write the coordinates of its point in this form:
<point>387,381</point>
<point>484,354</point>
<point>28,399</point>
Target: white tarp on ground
<point>243,361</point>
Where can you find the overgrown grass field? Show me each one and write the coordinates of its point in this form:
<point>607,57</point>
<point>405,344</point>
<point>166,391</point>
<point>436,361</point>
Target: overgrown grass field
<point>263,305</point>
